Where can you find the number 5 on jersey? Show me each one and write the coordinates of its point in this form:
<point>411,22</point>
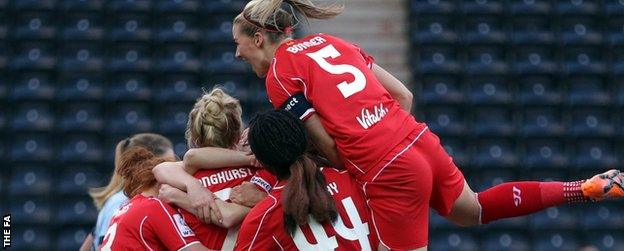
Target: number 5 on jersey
<point>346,88</point>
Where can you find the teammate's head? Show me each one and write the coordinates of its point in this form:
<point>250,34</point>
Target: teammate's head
<point>265,23</point>
<point>278,140</point>
<point>215,121</point>
<point>135,167</point>
<point>156,143</point>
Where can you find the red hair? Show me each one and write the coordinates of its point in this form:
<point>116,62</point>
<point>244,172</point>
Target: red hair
<point>135,166</point>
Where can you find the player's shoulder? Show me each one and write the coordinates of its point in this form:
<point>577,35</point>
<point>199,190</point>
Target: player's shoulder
<point>333,172</point>
<point>268,204</point>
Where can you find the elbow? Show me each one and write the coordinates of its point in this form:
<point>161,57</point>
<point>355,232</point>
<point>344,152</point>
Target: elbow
<point>159,171</point>
<point>190,158</point>
<point>407,97</point>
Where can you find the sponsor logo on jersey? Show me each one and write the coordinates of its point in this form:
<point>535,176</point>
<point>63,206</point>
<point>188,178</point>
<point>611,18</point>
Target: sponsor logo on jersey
<point>184,229</point>
<point>315,41</point>
<point>368,118</point>
<point>262,183</point>
<point>225,176</point>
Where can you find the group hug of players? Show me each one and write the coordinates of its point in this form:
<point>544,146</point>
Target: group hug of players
<point>340,164</point>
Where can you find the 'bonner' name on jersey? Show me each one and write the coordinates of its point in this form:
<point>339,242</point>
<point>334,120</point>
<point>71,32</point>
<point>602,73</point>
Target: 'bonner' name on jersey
<point>225,176</point>
<point>307,44</point>
<point>368,119</point>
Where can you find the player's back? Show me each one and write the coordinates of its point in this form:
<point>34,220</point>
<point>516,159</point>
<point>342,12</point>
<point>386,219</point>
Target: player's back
<point>336,78</point>
<point>147,223</point>
<point>263,228</point>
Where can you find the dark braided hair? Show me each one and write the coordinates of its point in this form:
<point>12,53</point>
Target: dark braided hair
<point>278,139</point>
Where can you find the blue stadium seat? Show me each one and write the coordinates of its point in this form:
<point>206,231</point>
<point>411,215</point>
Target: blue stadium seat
<point>81,148</point>
<point>580,31</point>
<point>602,217</point>
<point>31,147</point>
<point>223,6</point>
<point>30,237</point>
<point>484,30</point>
<point>83,26</point>
<point>30,180</point>
<point>446,120</point>
<point>179,59</point>
<point>130,118</point>
<point>535,60</point>
<point>495,153</point>
<point>561,217</point>
<point>438,60</point>
<point>27,5</point>
<point>178,28</point>
<point>614,8</point>
<point>592,122</point>
<point>33,56</point>
<point>532,30</point>
<point>129,87</point>
<point>434,30</point>
<point>130,5</point>
<point>177,6</point>
<point>34,26</point>
<point>454,240</point>
<point>82,117</point>
<point>82,57</point>
<point>606,240</point>
<point>70,238</point>
<point>482,7</point>
<point>33,86</point>
<point>589,91</point>
<point>493,122</point>
<point>535,90</point>
<point>530,7</point>
<point>442,90</point>
<point>584,61</point>
<point>490,90</point>
<point>81,86</point>
<point>578,7</point>
<point>35,210</point>
<point>595,154</point>
<point>544,153</point>
<point>180,145</point>
<point>457,149</point>
<point>219,30</point>
<point>220,59</point>
<point>486,60</point>
<point>81,5</point>
<point>616,31</point>
<point>505,240</point>
<point>76,210</point>
<point>4,59</point>
<point>236,86</point>
<point>130,27</point>
<point>542,121</point>
<point>76,180</point>
<point>173,119</point>
<point>178,88</point>
<point>33,117</point>
<point>4,150</point>
<point>130,58</point>
<point>4,86</point>
<point>555,240</point>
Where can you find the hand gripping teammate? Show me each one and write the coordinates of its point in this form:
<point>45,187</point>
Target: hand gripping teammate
<point>358,116</point>
<point>311,208</point>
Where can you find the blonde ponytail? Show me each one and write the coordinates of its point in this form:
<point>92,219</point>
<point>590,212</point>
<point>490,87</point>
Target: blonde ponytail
<point>215,120</point>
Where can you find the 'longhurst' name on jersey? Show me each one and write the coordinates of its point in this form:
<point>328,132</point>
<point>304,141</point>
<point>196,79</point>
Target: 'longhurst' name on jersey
<point>307,44</point>
<point>225,176</point>
<point>368,119</point>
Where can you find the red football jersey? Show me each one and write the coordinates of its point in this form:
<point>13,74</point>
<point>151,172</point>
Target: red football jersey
<point>263,228</point>
<point>220,182</point>
<point>147,223</point>
<point>336,78</point>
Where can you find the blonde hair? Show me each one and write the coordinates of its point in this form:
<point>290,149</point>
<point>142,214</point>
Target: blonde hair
<point>215,121</point>
<point>278,17</point>
<point>155,143</point>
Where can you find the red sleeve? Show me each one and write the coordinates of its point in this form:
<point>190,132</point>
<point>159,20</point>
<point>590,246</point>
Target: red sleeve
<point>370,60</point>
<point>169,226</point>
<point>264,180</point>
<point>255,232</point>
<point>282,84</point>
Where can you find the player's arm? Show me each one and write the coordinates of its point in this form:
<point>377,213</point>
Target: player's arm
<point>213,158</point>
<point>202,200</point>
<point>87,245</point>
<point>323,142</point>
<point>395,87</point>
